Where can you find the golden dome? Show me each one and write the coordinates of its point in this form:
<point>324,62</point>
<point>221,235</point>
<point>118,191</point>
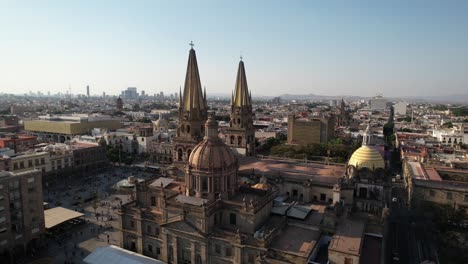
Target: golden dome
<point>366,157</point>
<point>212,154</point>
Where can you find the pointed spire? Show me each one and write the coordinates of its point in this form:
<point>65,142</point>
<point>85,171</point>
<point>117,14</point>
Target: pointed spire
<point>241,94</point>
<point>180,96</point>
<point>204,93</point>
<point>193,97</point>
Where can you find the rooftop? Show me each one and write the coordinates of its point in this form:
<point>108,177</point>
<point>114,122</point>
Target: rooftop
<point>321,173</point>
<point>348,237</point>
<point>296,239</point>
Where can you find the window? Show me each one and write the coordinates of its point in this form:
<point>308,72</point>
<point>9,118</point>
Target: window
<point>36,161</point>
<point>232,140</point>
<point>250,258</point>
<point>42,161</point>
<point>150,248</point>
<point>348,260</point>
<point>153,201</point>
<point>466,197</point>
<point>30,163</point>
<point>217,248</point>
<point>179,154</point>
<point>232,219</point>
<point>21,164</point>
<point>189,151</point>
<point>228,252</point>
<point>30,180</point>
<point>15,166</point>
<point>431,193</point>
<point>188,129</point>
<point>239,140</point>
<point>204,184</point>
<point>158,251</point>
<point>449,196</point>
<point>323,197</point>
<point>156,231</point>
<point>132,224</point>
<point>148,229</point>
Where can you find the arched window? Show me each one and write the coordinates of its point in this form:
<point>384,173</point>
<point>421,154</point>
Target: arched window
<point>239,140</point>
<point>189,151</point>
<point>188,129</point>
<point>238,121</point>
<point>232,140</point>
<point>179,154</point>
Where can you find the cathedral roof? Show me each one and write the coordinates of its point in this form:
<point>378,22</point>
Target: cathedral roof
<point>212,153</point>
<point>241,96</point>
<point>366,157</point>
<point>193,97</point>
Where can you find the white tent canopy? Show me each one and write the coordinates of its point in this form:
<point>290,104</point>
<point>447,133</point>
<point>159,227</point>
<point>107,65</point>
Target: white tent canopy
<point>115,255</point>
<point>58,215</point>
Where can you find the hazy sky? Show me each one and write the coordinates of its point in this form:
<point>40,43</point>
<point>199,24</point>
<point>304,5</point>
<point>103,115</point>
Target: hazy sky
<point>395,48</point>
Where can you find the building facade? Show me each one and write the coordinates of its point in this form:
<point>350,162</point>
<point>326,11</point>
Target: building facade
<point>305,131</point>
<point>21,214</point>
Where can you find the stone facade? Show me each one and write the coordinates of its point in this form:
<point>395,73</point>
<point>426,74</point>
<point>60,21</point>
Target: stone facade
<point>192,114</point>
<point>240,135</point>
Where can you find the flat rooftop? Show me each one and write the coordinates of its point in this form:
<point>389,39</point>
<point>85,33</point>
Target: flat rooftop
<point>348,237</point>
<point>317,172</point>
<point>296,239</point>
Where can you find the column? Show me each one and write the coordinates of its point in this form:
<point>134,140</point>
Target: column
<point>192,251</point>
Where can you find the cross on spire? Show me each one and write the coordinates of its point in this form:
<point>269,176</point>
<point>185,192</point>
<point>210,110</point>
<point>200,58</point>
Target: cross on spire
<point>191,44</point>
<point>240,57</point>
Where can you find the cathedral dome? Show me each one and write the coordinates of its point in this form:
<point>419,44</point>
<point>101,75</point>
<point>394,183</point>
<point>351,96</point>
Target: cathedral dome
<point>160,123</point>
<point>212,154</point>
<point>366,157</point>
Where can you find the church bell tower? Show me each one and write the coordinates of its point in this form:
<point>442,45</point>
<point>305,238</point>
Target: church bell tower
<point>240,135</point>
<point>192,113</point>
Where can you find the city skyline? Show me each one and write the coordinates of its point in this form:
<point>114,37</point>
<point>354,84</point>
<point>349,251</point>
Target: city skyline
<point>365,48</point>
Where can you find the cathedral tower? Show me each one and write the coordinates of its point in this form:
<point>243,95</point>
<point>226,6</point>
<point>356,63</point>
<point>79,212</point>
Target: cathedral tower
<point>240,135</point>
<point>192,113</point>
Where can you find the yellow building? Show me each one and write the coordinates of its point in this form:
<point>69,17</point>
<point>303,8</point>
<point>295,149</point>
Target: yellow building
<point>305,131</point>
<point>62,128</point>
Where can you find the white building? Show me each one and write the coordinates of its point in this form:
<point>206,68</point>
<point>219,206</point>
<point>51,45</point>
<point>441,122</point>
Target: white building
<point>448,137</point>
<point>400,108</point>
<point>378,103</point>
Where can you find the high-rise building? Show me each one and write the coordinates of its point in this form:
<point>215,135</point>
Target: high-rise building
<point>130,93</point>
<point>21,214</point>
<point>119,104</point>
<point>400,108</point>
<point>87,90</point>
<point>378,103</point>
<point>303,131</point>
<point>240,135</point>
<point>192,113</point>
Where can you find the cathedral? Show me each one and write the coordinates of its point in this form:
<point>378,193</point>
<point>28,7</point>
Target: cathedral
<point>232,207</point>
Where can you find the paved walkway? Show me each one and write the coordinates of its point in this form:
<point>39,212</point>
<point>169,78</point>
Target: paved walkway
<point>80,241</point>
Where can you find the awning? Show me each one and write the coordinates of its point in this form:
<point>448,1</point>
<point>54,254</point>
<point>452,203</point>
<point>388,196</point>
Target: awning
<point>116,255</point>
<point>58,215</point>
